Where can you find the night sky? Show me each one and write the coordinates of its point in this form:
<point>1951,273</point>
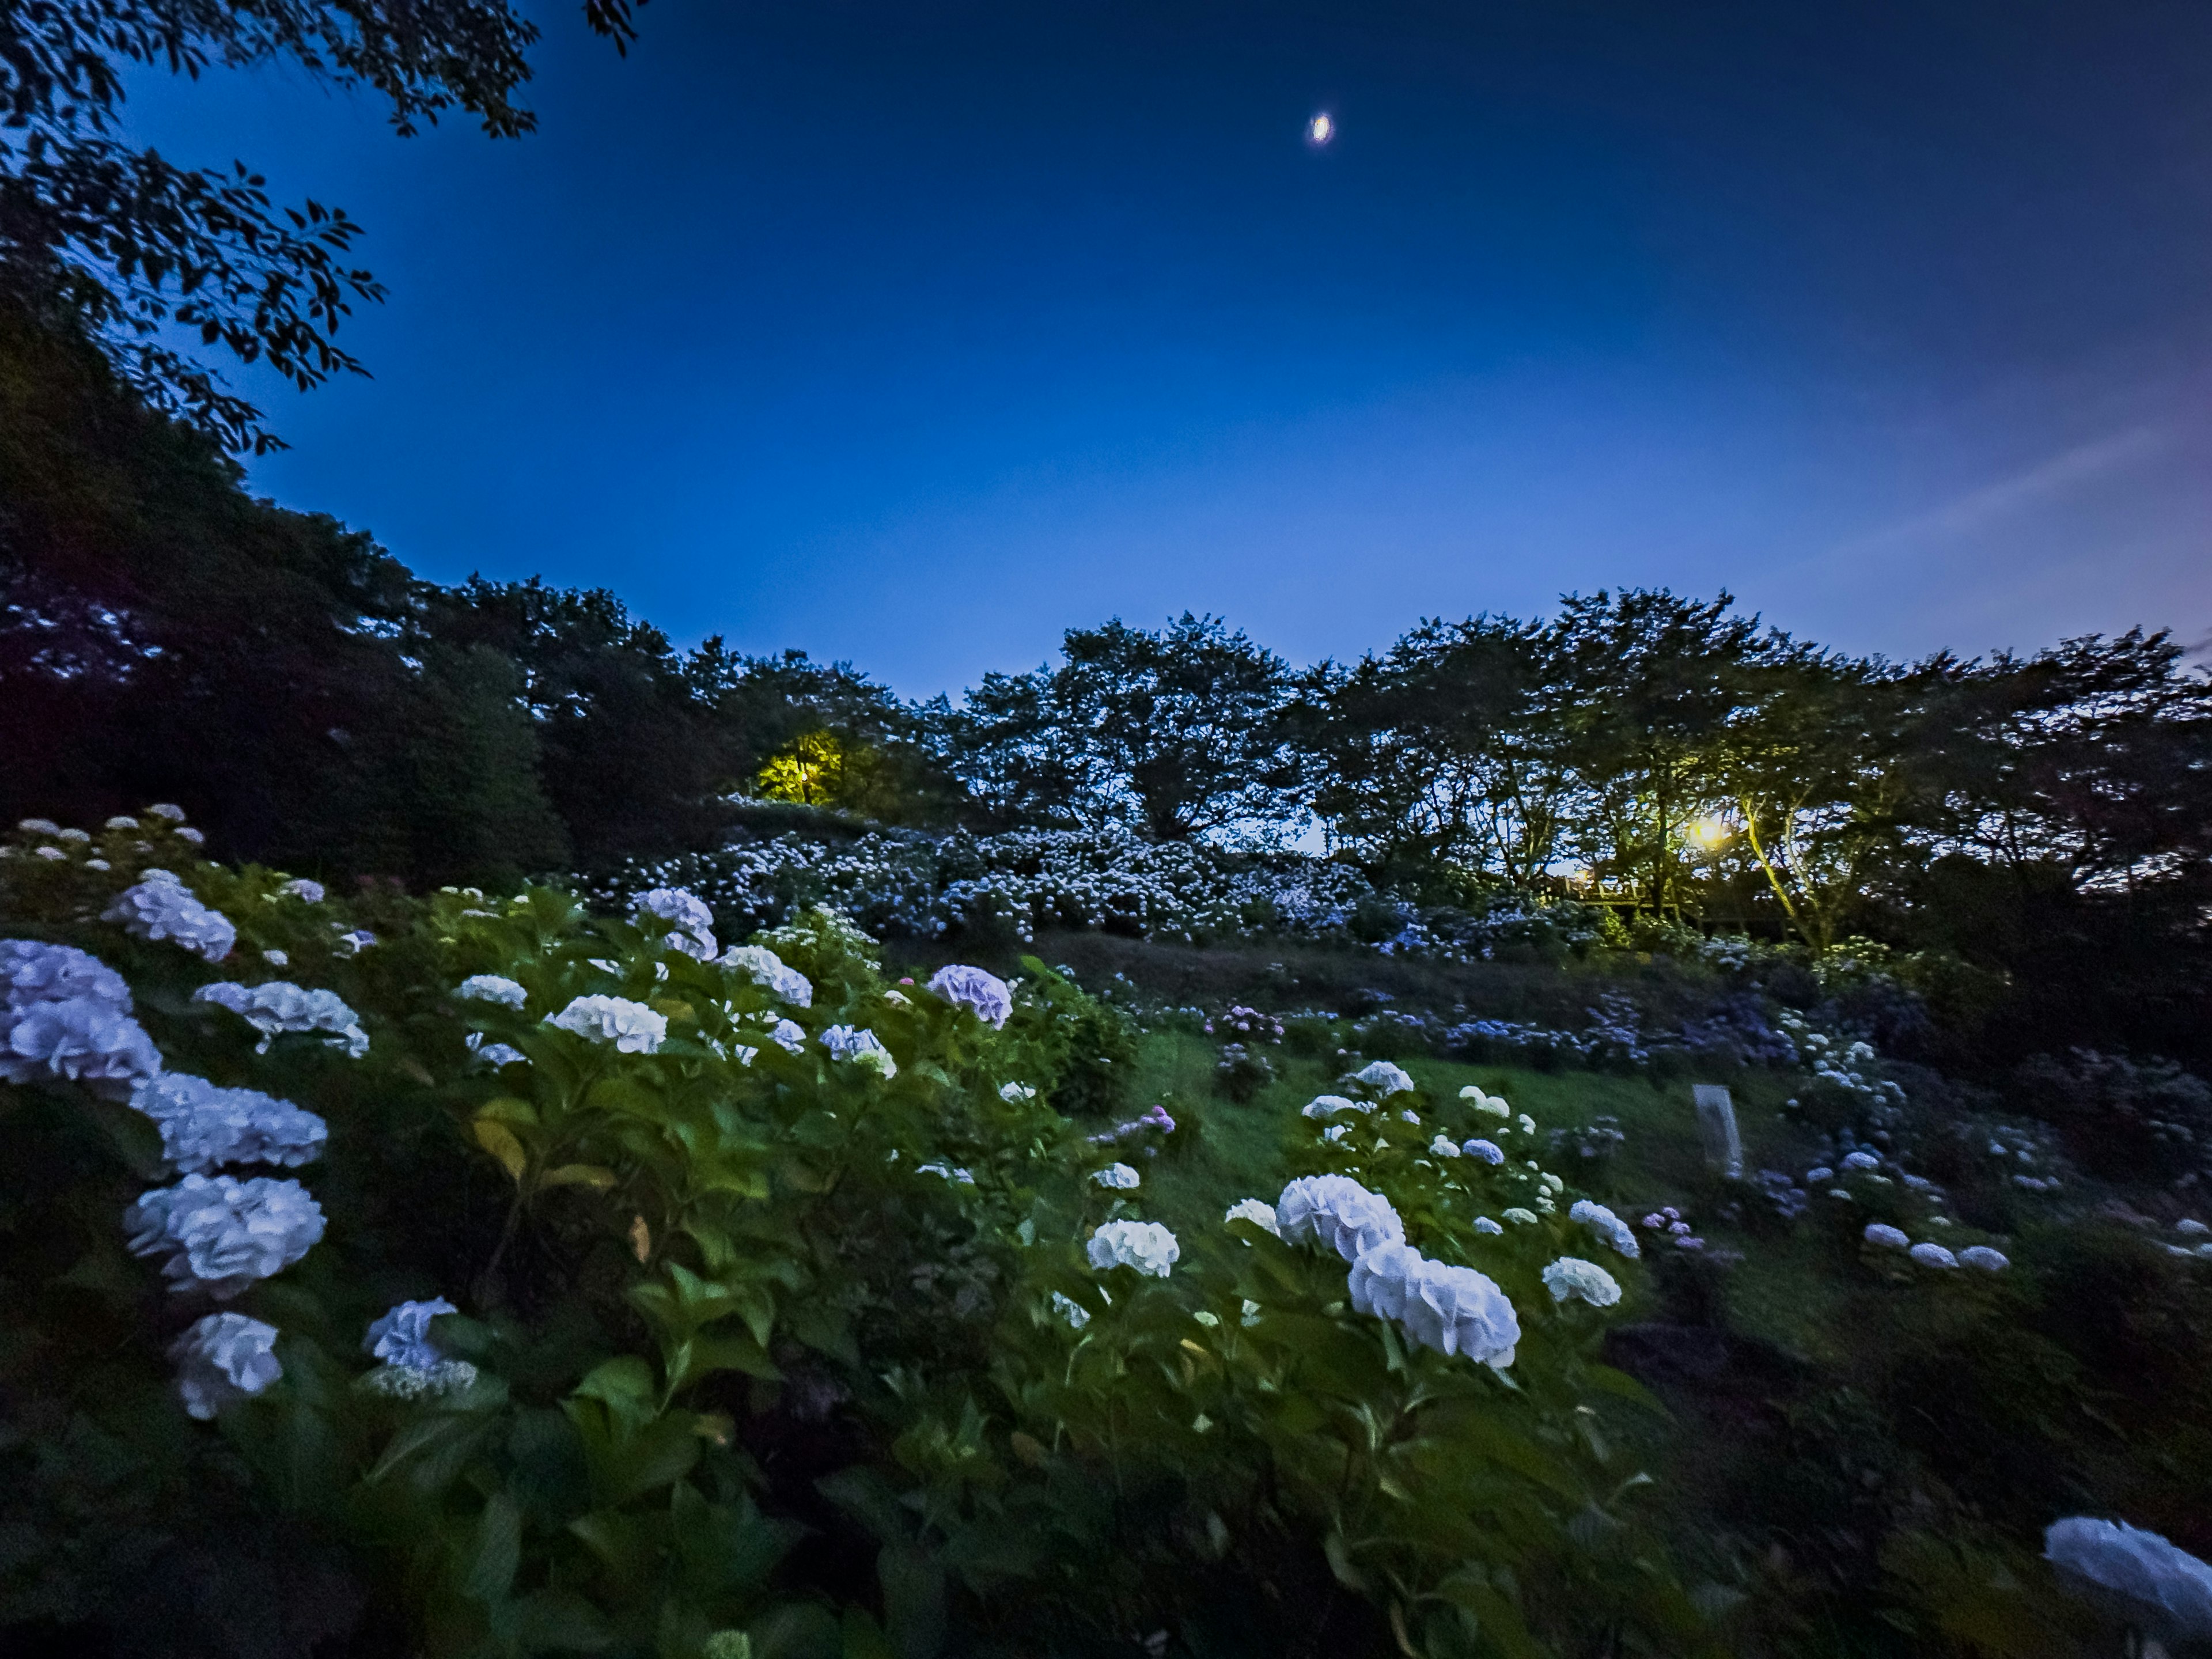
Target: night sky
<point>917,333</point>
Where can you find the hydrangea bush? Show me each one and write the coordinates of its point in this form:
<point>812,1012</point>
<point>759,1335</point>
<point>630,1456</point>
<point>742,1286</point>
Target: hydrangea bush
<point>547,1276</point>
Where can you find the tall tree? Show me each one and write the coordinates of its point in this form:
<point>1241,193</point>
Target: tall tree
<point>1178,734</point>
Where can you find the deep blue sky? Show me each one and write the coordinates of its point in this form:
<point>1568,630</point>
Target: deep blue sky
<point>916,333</point>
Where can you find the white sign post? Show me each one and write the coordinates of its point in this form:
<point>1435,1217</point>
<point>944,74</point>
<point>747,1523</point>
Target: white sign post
<point>1717,1128</point>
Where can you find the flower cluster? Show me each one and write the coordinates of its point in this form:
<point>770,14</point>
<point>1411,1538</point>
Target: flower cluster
<point>691,924</point>
<point>205,1127</point>
<point>160,907</point>
<point>66,1014</point>
<point>224,1356</point>
<point>767,968</point>
<point>2141,1566</point>
<point>402,1337</point>
<point>1155,1117</point>
<point>491,988</point>
<point>1607,1225</point>
<point>220,1234</point>
<point>862,1048</point>
<point>1572,1276</point>
<point>280,1006</point>
<point>631,1027</point>
<point>1337,1211</point>
<point>1246,1025</point>
<point>1145,1245</point>
<point>1455,1311</point>
<point>984,994</point>
<point>1118,1177</point>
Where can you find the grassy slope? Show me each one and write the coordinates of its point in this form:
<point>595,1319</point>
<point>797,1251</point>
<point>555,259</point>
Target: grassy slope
<point>1781,1292</point>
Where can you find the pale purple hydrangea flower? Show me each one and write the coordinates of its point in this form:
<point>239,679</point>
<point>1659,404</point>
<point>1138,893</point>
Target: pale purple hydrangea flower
<point>1337,1211</point>
<point>280,1006</point>
<point>223,1357</point>
<point>160,907</point>
<point>1883,1237</point>
<point>1932,1256</point>
<point>300,887</point>
<point>220,1234</point>
<point>691,924</point>
<point>86,1039</point>
<point>34,971</point>
<point>1981,1256</point>
<point>631,1027</point>
<point>789,1036</point>
<point>1572,1276</point>
<point>491,988</point>
<point>1861,1161</point>
<point>985,994</point>
<point>402,1337</point>
<point>1145,1245</point>
<point>1488,1152</point>
<point>768,969</point>
<point>205,1126</point>
<point>493,1054</point>
<point>2140,1565</point>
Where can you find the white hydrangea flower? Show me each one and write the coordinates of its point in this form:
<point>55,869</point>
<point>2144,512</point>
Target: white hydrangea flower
<point>1886,1237</point>
<point>770,970</point>
<point>788,1035</point>
<point>122,823</point>
<point>300,887</point>
<point>1014,1093</point>
<point>160,907</point>
<point>74,838</point>
<point>1488,1152</point>
<point>692,928</point>
<point>353,943</point>
<point>1444,1146</point>
<point>1521,1218</point>
<point>402,1337</point>
<point>493,1054</point>
<point>48,853</point>
<point>631,1027</point>
<point>1383,1078</point>
<point>1069,1308</point>
<point>221,1234</point>
<point>1145,1245</point>
<point>1337,1133</point>
<point>862,1047</point>
<point>1259,1212</point>
<point>1932,1256</point>
<point>1572,1276</point>
<point>1338,1212</point>
<point>2138,1564</point>
<point>1120,1178</point>
<point>1483,1224</point>
<point>2190,1227</point>
<point>223,1357</point>
<point>86,1039</point>
<point>1327,1106</point>
<point>38,826</point>
<point>1981,1256</point>
<point>1528,1124</point>
<point>205,1126</point>
<point>1861,1161</point>
<point>491,988</point>
<point>984,994</point>
<point>1454,1310</point>
<point>169,810</point>
<point>1607,1225</point>
<point>1409,1115</point>
<point>280,1006</point>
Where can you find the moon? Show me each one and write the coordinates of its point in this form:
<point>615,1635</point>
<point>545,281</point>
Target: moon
<point>1321,130</point>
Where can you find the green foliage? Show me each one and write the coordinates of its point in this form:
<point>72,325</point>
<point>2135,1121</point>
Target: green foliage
<point>1085,1044</point>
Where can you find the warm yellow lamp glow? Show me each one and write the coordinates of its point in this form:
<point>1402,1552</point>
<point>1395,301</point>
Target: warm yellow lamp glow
<point>1709,832</point>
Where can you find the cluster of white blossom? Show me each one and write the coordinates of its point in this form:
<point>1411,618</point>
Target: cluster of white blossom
<point>205,1127</point>
<point>767,968</point>
<point>160,907</point>
<point>1258,1211</point>
<point>1118,1177</point>
<point>631,1027</point>
<point>691,924</point>
<point>985,994</point>
<point>280,1006</point>
<point>2172,1587</point>
<point>66,1014</point>
<point>1572,1276</point>
<point>491,988</point>
<point>219,1234</point>
<point>1607,1225</point>
<point>1145,1245</point>
<point>1384,1079</point>
<point>1336,1212</point>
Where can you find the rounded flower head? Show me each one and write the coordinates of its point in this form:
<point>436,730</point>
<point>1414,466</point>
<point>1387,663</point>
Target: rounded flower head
<point>1145,1245</point>
<point>1483,1224</point>
<point>31,971</point>
<point>1885,1237</point>
<point>223,1357</point>
<point>300,887</point>
<point>1488,1152</point>
<point>205,1126</point>
<point>862,1048</point>
<point>1981,1256</point>
<point>1932,1256</point>
<point>280,1006</point>
<point>766,968</point>
<point>221,1234</point>
<point>1118,1177</point>
<point>162,907</point>
<point>402,1337</point>
<point>1337,1211</point>
<point>1459,1311</point>
<point>1492,1105</point>
<point>986,994</point>
<point>788,1035</point>
<point>1444,1146</point>
<point>1327,1106</point>
<point>631,1027</point>
<point>1383,1078</point>
<point>1379,1279</point>
<point>691,924</point>
<point>1861,1161</point>
<point>1261,1215</point>
<point>491,988</point>
<point>1069,1308</point>
<point>2140,1565</point>
<point>85,1038</point>
<point>1572,1276</point>
<point>1608,1226</point>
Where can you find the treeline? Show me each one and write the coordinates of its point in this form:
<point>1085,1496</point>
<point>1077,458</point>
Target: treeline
<point>163,635</point>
